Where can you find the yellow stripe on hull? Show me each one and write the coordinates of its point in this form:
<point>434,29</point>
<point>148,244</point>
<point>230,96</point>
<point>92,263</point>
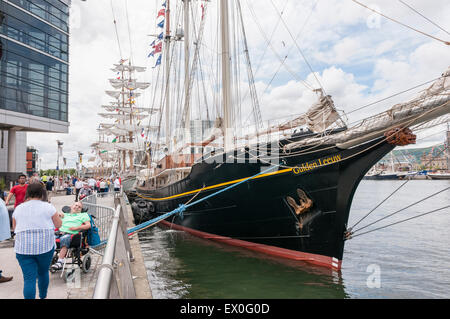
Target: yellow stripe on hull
<point>217,185</point>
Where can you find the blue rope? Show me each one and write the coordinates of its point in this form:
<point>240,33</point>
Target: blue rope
<point>183,207</point>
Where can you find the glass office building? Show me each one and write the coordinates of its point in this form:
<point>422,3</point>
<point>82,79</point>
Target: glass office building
<point>34,36</point>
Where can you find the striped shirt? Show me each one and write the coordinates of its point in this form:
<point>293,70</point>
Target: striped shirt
<point>34,241</point>
<point>34,228</point>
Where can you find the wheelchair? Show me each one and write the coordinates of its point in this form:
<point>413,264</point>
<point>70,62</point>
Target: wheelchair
<point>78,254</point>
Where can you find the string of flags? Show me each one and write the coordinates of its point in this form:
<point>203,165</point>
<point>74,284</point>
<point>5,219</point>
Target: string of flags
<point>156,45</point>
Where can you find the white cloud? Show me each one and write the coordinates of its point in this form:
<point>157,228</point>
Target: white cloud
<point>356,62</point>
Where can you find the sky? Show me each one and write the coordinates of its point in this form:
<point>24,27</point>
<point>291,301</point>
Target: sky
<point>357,56</point>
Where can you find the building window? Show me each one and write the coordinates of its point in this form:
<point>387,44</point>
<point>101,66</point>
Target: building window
<point>32,83</point>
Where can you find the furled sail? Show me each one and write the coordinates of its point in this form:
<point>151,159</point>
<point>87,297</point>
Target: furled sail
<point>106,125</point>
<point>120,116</point>
<point>130,68</point>
<point>112,108</point>
<point>321,114</point>
<point>434,102</point>
<point>105,146</point>
<point>126,146</point>
<point>116,94</point>
<point>128,84</point>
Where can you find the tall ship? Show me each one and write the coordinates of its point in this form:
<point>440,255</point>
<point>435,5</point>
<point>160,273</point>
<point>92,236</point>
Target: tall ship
<point>121,145</point>
<point>207,134</point>
<point>387,174</point>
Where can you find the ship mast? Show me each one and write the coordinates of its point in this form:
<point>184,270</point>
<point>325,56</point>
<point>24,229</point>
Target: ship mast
<point>130,134</point>
<point>186,67</point>
<point>167,64</point>
<point>448,147</point>
<point>226,72</point>
<point>122,139</point>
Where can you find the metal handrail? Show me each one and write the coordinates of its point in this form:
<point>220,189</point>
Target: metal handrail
<point>115,279</point>
<point>106,271</point>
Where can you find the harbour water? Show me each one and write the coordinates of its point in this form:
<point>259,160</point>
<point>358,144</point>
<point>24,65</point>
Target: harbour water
<point>406,260</point>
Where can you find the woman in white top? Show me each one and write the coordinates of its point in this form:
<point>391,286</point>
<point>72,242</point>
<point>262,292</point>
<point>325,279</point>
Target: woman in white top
<point>34,223</point>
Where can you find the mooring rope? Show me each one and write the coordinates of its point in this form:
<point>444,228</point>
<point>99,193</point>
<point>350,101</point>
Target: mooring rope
<point>183,207</point>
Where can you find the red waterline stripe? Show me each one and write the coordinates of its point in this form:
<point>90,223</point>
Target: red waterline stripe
<point>320,260</point>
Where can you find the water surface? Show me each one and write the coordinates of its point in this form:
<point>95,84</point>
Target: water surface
<point>407,260</point>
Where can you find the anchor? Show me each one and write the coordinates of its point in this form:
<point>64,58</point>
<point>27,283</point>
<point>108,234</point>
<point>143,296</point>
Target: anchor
<point>305,205</point>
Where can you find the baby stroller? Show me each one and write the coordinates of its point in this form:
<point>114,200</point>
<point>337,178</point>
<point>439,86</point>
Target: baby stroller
<point>77,254</point>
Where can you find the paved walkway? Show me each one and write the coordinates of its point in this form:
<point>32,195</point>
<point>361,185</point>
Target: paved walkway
<point>10,266</point>
<point>84,284</point>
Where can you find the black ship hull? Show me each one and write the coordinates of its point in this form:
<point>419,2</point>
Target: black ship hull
<point>259,213</point>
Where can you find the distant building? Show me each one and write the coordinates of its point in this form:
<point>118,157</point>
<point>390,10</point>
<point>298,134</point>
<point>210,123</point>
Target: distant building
<point>430,162</point>
<point>34,55</point>
<point>32,160</point>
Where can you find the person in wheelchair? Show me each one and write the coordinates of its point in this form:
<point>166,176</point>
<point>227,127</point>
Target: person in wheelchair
<point>84,192</point>
<point>73,224</point>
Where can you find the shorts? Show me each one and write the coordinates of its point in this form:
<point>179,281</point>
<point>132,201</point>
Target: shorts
<point>64,240</point>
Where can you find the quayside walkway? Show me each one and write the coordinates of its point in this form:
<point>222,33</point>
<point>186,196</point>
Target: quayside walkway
<point>129,276</point>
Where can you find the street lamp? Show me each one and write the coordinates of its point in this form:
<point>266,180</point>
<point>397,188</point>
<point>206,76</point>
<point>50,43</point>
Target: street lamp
<point>60,144</point>
<point>80,160</point>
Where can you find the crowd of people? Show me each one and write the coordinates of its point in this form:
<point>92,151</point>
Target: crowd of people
<point>33,220</point>
<point>77,186</point>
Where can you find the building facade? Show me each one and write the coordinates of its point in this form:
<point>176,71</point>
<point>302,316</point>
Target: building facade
<point>32,161</point>
<point>34,68</point>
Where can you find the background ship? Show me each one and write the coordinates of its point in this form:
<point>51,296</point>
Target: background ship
<point>121,144</point>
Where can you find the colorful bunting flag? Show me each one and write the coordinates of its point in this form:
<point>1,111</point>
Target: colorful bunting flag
<point>158,61</point>
<point>161,12</point>
<point>161,24</point>
<point>158,47</point>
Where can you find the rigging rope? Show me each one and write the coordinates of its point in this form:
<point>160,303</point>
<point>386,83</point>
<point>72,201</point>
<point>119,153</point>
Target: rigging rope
<point>401,221</point>
<point>403,184</point>
<point>129,32</point>
<point>391,96</point>
<point>115,27</point>
<point>298,47</point>
<point>405,25</point>
<point>306,84</point>
<point>282,62</point>
<point>409,6</point>
<point>409,206</point>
